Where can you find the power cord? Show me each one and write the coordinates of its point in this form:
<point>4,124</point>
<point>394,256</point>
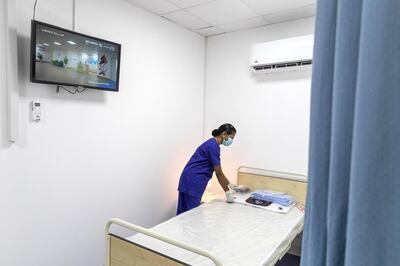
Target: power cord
<point>67,90</point>
<point>34,10</point>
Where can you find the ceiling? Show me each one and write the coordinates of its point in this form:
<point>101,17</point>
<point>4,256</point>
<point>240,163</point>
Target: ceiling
<point>211,17</point>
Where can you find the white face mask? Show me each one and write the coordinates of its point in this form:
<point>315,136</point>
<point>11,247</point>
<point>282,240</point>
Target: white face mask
<point>227,142</point>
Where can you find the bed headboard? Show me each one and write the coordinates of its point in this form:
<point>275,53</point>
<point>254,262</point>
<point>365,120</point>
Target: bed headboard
<point>293,184</point>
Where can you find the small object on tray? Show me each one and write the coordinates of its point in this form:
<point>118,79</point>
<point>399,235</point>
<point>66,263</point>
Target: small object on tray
<point>241,189</point>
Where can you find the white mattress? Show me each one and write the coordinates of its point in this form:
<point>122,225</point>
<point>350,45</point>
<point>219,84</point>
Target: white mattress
<point>235,233</point>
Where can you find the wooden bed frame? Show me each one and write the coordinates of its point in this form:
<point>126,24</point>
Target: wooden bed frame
<point>122,252</point>
<point>126,253</point>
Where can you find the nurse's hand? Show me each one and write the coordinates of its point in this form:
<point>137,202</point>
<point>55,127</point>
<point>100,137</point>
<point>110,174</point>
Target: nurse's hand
<point>229,196</point>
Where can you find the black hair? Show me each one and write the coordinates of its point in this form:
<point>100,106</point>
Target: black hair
<point>228,128</point>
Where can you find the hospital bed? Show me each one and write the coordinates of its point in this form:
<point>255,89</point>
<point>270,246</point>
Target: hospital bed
<point>217,232</point>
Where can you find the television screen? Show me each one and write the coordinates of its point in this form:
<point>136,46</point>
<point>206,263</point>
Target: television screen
<point>63,57</point>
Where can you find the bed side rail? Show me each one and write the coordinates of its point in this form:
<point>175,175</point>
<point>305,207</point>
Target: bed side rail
<point>158,236</point>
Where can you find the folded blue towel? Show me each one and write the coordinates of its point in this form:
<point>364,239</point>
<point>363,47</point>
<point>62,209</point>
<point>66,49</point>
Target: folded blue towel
<point>272,196</point>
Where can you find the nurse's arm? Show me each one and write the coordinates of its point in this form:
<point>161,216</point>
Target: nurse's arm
<point>223,181</point>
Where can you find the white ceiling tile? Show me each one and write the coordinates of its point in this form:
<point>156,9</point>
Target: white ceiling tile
<point>222,11</point>
<point>293,14</point>
<point>155,6</point>
<point>210,31</point>
<point>189,3</point>
<point>244,24</point>
<point>263,7</point>
<point>186,19</point>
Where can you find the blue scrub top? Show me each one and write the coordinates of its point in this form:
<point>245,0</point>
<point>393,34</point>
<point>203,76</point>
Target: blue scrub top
<point>198,171</point>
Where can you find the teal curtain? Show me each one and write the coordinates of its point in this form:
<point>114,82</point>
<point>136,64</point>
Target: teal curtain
<point>353,200</point>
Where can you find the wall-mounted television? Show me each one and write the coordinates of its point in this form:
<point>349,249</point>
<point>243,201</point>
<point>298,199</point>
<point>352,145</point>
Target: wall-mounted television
<point>63,57</point>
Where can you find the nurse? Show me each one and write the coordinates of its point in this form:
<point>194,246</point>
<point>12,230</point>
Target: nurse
<point>198,171</point>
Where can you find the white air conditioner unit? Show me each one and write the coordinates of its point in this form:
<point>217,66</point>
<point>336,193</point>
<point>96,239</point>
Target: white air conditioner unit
<point>282,55</point>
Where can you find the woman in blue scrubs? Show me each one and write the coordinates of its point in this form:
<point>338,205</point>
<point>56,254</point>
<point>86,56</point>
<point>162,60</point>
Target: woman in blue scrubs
<point>198,171</point>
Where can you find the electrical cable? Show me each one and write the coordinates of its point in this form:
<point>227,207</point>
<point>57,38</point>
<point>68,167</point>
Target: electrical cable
<point>67,90</point>
<point>34,10</point>
<point>73,14</point>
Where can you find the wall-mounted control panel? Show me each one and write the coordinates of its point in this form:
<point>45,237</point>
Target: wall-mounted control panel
<point>36,111</point>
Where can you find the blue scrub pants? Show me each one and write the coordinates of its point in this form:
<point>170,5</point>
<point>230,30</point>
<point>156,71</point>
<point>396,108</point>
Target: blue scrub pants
<point>186,202</point>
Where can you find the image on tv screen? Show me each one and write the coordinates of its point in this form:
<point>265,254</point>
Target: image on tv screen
<point>66,58</point>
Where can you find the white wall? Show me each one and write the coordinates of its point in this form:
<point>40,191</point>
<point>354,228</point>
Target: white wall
<point>270,112</point>
<point>99,154</point>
